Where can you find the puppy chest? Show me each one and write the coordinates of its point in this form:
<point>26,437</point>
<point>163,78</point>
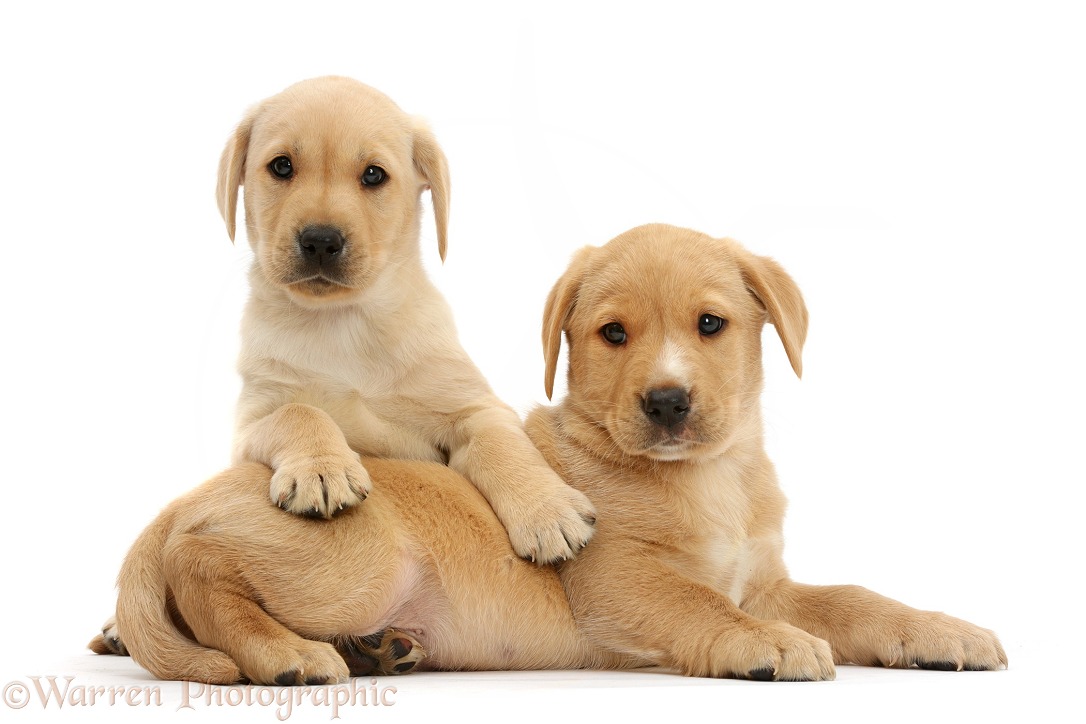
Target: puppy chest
<point>385,427</point>
<point>717,561</point>
<point>714,546</point>
<point>333,351</point>
<point>372,407</point>
<point>716,514</point>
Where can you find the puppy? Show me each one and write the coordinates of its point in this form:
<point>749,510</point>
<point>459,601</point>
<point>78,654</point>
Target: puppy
<point>347,347</point>
<point>661,429</point>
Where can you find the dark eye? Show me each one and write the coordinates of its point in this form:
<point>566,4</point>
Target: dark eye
<point>373,176</point>
<point>614,333</point>
<point>709,324</point>
<point>281,167</point>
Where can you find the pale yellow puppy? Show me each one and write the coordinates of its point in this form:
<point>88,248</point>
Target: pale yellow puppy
<point>346,345</point>
<point>661,428</point>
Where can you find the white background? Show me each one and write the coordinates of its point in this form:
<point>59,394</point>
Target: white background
<point>917,167</point>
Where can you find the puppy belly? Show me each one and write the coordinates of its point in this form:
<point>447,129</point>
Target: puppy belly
<point>508,614</point>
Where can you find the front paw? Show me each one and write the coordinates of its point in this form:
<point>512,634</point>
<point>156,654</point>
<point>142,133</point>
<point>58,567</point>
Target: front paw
<point>552,528</point>
<point>935,641</point>
<point>319,486</point>
<point>764,651</point>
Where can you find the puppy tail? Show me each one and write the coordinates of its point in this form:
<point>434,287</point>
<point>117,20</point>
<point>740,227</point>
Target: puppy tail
<point>146,624</point>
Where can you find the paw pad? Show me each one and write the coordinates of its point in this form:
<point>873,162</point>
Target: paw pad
<point>383,653</point>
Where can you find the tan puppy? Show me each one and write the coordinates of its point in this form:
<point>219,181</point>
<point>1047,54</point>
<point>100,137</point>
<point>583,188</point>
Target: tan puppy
<point>661,428</point>
<point>347,347</point>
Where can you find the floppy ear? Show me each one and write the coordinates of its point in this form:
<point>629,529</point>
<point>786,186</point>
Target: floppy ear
<point>556,314</point>
<point>431,164</point>
<point>232,172</point>
<point>780,296</point>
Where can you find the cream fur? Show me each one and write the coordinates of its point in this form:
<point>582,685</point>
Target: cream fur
<point>364,358</point>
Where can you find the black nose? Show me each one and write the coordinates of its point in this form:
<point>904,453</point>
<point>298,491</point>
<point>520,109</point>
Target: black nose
<point>320,244</point>
<point>667,407</point>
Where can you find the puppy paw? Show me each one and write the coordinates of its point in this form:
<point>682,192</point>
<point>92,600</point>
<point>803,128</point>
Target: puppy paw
<point>935,641</point>
<point>319,486</point>
<point>109,641</point>
<point>553,528</point>
<point>312,663</point>
<point>767,651</point>
<point>389,652</point>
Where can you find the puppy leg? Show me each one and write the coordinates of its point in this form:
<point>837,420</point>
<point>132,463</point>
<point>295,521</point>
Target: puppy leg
<point>630,601</point>
<point>316,472</point>
<point>218,606</point>
<point>546,519</point>
<point>865,628</point>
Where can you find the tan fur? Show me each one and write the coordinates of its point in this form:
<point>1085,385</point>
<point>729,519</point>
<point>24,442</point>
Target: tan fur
<point>685,570</point>
<point>262,592</point>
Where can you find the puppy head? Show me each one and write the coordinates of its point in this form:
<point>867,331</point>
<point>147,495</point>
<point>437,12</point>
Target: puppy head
<point>332,171</point>
<point>664,332</point>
